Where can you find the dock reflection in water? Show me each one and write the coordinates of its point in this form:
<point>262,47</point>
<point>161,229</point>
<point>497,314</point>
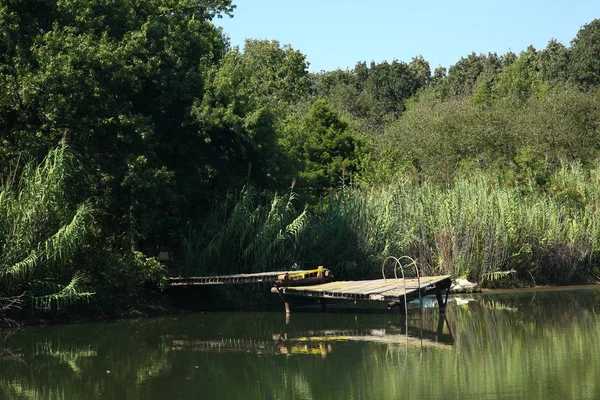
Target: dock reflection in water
<point>322,342</point>
<point>529,344</point>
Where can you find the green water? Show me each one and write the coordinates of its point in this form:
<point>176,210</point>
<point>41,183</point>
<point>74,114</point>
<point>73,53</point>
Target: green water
<point>519,345</point>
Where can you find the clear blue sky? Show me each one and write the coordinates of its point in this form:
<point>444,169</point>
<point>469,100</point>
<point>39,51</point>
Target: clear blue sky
<point>336,34</point>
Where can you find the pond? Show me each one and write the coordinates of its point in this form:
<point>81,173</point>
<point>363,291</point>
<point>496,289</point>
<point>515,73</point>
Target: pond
<point>520,344</point>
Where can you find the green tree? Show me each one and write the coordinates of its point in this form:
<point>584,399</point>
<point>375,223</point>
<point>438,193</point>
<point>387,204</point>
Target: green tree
<point>345,91</point>
<point>563,125</point>
<point>325,148</point>
<point>518,82</point>
<point>116,80</point>
<point>247,99</point>
<point>553,62</point>
<point>438,74</point>
<point>277,71</point>
<point>421,70</point>
<point>463,75</point>
<point>585,55</point>
<point>394,83</point>
<point>324,83</point>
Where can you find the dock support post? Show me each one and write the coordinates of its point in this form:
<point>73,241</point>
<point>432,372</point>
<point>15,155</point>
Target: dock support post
<point>286,303</point>
<point>438,293</point>
<point>440,299</point>
<point>440,326</point>
<point>439,333</point>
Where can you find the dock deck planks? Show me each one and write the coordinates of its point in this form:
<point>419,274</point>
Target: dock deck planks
<point>374,290</point>
<point>315,275</point>
<point>269,277</point>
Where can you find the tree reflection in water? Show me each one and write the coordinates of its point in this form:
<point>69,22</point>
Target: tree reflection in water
<point>520,344</point>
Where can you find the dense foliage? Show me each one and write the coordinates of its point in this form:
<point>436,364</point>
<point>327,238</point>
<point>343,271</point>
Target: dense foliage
<point>183,145</point>
<point>39,234</point>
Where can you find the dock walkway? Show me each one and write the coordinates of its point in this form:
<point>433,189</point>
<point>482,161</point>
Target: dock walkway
<point>319,284</point>
<point>392,291</point>
<point>282,278</point>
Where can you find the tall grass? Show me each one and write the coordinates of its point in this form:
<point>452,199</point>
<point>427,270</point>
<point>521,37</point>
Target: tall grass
<point>258,233</point>
<point>40,231</point>
<point>480,227</point>
<point>477,228</point>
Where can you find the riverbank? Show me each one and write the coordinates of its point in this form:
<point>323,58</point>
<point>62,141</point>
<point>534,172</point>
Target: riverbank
<point>238,300</point>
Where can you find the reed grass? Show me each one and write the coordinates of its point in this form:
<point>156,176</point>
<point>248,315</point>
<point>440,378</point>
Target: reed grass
<point>259,233</point>
<point>480,227</point>
<point>40,231</point>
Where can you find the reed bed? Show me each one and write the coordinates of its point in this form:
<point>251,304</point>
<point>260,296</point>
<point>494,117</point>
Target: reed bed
<point>479,227</point>
<point>258,233</point>
<point>40,232</point>
<point>482,227</point>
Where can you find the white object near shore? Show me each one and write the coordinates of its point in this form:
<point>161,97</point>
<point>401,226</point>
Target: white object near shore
<point>464,286</point>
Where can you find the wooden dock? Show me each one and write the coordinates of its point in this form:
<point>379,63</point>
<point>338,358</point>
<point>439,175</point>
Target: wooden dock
<point>319,284</point>
<point>392,291</point>
<point>281,278</point>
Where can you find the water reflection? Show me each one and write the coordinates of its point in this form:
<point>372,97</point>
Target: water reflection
<point>512,345</point>
<point>322,342</point>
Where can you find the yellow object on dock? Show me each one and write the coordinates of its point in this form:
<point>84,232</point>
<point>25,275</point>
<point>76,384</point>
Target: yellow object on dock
<point>317,275</point>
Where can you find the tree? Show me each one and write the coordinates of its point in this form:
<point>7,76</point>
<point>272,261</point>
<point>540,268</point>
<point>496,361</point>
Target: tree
<point>116,80</point>
<point>277,71</point>
<point>463,75</point>
<point>438,74</point>
<point>345,91</point>
<point>585,55</point>
<point>325,147</point>
<point>324,83</point>
<point>394,83</point>
<point>553,62</point>
<point>247,99</point>
<point>421,70</point>
<point>518,82</point>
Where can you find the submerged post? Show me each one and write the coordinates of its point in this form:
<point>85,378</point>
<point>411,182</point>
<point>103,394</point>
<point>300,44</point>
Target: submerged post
<point>276,290</point>
<point>438,293</point>
<point>440,299</point>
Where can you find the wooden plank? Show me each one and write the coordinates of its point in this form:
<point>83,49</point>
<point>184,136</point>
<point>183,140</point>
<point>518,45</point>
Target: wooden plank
<point>376,290</point>
<point>374,286</point>
<point>258,274</point>
<point>260,277</point>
